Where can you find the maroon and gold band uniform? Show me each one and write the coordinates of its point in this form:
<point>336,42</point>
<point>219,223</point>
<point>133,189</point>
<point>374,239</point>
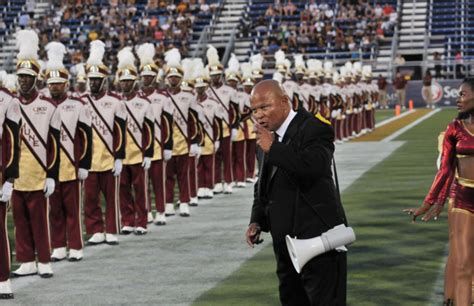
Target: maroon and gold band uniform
<point>75,153</point>
<point>238,144</point>
<point>225,95</point>
<point>39,159</point>
<point>212,133</point>
<point>163,122</point>
<point>109,118</point>
<point>10,120</point>
<point>139,144</point>
<point>185,133</point>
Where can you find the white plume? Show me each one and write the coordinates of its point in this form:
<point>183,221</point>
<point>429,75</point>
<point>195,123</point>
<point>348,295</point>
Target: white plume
<point>80,69</point>
<point>313,64</point>
<point>357,67</point>
<point>246,69</point>
<point>42,65</point>
<point>146,53</point>
<point>257,61</point>
<point>27,42</point>
<point>212,56</point>
<point>233,65</point>
<point>10,81</point>
<point>335,77</point>
<point>173,57</point>
<point>366,70</point>
<point>278,77</point>
<point>96,53</point>
<point>328,66</point>
<point>188,68</point>
<point>56,52</point>
<point>343,71</point>
<point>280,57</point>
<point>287,64</point>
<point>3,75</point>
<point>125,58</point>
<point>199,70</point>
<point>348,66</point>
<point>299,61</point>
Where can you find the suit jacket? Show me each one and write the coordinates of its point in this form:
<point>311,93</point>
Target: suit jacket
<point>303,158</point>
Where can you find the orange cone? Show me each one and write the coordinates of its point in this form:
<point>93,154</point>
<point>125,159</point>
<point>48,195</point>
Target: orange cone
<point>397,110</point>
<point>410,104</point>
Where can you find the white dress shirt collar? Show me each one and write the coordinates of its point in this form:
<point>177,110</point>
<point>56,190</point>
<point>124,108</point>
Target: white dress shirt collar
<point>284,126</point>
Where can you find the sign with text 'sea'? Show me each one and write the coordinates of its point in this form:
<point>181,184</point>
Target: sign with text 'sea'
<point>443,92</point>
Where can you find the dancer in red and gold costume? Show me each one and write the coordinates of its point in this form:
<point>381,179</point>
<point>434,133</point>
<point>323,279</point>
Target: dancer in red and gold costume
<point>455,179</point>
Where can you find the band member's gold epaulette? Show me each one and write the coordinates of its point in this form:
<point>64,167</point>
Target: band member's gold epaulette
<point>322,119</point>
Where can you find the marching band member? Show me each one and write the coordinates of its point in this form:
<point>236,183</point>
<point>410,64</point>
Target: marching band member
<point>250,135</point>
<point>283,66</point>
<point>75,159</point>
<point>109,118</point>
<point>232,76</point>
<point>212,128</point>
<point>256,62</point>
<point>81,80</point>
<point>185,135</point>
<point>38,166</point>
<point>225,95</point>
<point>10,121</point>
<point>138,149</point>
<point>303,87</point>
<point>163,113</point>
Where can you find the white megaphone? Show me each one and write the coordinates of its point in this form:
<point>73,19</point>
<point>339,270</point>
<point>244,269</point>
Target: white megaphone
<point>302,250</point>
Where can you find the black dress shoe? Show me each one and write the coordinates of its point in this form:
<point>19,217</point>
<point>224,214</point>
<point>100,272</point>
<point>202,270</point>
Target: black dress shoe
<point>6,296</point>
<point>160,223</point>
<point>193,204</point>
<point>140,233</point>
<point>74,259</point>
<point>89,243</point>
<point>54,259</point>
<point>14,275</point>
<point>184,215</point>
<point>46,275</point>
<point>112,242</point>
<point>122,232</point>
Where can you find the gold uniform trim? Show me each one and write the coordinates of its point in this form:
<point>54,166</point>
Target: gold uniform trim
<point>461,211</point>
<point>322,119</point>
<point>55,153</point>
<point>12,147</point>
<point>120,136</point>
<point>168,130</point>
<point>151,138</point>
<point>196,122</point>
<point>85,144</point>
<point>464,181</point>
<point>463,156</point>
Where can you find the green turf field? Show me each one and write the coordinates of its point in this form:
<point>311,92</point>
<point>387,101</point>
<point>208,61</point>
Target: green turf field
<point>393,261</point>
<point>384,114</point>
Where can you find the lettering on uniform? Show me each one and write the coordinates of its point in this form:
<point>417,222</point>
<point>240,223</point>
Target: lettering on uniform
<point>132,126</point>
<point>98,124</point>
<point>30,136</point>
<point>40,110</point>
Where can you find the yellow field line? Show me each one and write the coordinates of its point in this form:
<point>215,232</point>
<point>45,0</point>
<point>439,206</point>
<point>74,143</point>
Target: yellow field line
<point>390,128</point>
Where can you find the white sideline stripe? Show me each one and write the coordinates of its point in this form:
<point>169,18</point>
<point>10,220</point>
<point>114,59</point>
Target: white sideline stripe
<point>386,121</point>
<point>437,294</point>
<point>413,124</point>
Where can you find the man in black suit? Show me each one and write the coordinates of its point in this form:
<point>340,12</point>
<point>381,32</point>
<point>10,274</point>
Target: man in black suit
<point>298,149</point>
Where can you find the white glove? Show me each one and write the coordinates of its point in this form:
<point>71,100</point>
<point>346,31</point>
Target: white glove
<point>233,135</point>
<point>167,154</point>
<point>82,174</point>
<point>49,186</point>
<point>334,114</point>
<point>7,190</point>
<point>217,145</point>
<point>195,150</point>
<point>146,163</point>
<point>117,167</point>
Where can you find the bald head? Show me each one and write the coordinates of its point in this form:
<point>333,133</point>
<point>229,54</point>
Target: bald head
<point>270,104</point>
<point>268,87</point>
